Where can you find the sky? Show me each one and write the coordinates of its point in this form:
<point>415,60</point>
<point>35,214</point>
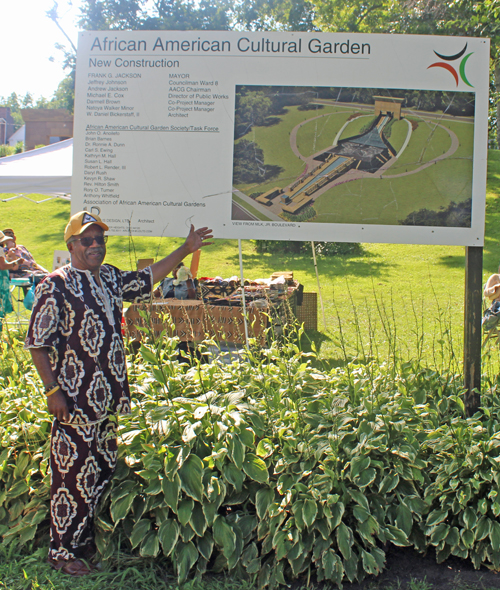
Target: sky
<point>30,62</point>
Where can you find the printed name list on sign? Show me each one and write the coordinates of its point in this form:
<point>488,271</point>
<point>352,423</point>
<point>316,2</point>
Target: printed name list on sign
<point>301,136</point>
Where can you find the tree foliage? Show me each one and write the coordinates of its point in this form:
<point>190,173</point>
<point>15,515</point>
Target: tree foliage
<point>422,17</point>
<point>159,14</point>
<point>357,16</point>
<point>15,103</point>
<point>455,215</point>
<point>248,162</point>
<point>283,15</point>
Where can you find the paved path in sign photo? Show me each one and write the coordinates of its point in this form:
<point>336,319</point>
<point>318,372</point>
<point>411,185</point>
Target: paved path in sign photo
<point>270,215</point>
<point>405,112</point>
<point>455,143</point>
<point>240,214</point>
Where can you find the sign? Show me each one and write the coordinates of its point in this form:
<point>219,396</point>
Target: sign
<point>293,136</point>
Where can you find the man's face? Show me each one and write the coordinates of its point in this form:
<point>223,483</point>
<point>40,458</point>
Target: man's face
<point>10,233</point>
<point>9,244</point>
<point>87,257</point>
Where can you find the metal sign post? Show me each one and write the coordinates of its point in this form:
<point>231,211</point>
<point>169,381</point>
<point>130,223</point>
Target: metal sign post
<point>472,327</point>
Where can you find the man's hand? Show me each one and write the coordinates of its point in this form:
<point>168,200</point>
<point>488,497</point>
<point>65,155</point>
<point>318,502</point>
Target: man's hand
<point>197,238</point>
<point>56,403</point>
<point>57,406</point>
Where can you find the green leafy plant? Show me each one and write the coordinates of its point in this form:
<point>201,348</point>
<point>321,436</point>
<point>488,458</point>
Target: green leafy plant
<point>268,467</point>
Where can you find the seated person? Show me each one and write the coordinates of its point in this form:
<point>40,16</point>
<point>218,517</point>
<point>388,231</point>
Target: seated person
<point>5,267</point>
<point>492,288</point>
<point>180,286</point>
<point>14,251</point>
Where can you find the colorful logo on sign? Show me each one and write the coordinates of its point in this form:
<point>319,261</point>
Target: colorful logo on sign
<point>445,64</point>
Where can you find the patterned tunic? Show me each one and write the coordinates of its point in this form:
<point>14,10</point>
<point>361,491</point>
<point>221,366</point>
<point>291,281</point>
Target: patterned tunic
<point>81,324</point>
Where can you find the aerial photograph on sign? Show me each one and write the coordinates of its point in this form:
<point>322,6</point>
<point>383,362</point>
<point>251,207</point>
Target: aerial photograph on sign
<point>353,155</point>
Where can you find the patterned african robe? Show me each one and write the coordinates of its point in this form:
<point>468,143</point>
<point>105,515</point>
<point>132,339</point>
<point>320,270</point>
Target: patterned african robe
<point>81,324</point>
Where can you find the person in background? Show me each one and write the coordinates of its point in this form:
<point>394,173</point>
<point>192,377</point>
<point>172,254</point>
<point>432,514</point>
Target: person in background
<point>76,343</point>
<point>492,287</point>
<point>5,267</point>
<point>13,251</point>
<point>181,285</point>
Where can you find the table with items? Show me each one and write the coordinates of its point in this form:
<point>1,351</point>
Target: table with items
<point>218,312</point>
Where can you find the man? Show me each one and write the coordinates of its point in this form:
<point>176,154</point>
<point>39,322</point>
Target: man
<point>75,340</point>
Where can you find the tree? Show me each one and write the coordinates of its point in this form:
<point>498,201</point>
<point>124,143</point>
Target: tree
<point>455,215</point>
<point>252,109</point>
<point>15,104</point>
<point>357,16</point>
<point>248,162</point>
<point>283,15</point>
<point>462,17</point>
<point>64,96</point>
<point>163,14</point>
<point>480,18</point>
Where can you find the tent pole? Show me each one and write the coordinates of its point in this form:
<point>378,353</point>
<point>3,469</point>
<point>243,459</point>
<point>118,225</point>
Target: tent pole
<point>243,302</point>
<point>319,286</point>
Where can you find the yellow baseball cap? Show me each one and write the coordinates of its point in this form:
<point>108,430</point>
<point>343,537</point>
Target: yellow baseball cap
<point>79,223</point>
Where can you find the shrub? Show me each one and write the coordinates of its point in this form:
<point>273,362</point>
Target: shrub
<point>6,150</point>
<point>305,214</point>
<point>322,248</point>
<point>270,467</point>
<point>455,215</point>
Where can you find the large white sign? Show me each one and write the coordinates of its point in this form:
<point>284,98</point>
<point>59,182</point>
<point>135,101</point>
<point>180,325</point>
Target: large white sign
<point>301,136</point>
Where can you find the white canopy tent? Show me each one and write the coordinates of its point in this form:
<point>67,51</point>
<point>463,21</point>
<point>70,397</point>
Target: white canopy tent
<point>45,171</point>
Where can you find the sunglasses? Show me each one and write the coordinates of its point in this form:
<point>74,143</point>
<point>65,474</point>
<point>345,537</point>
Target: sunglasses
<point>88,241</point>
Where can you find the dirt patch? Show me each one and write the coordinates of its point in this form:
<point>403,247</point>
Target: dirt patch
<point>405,566</point>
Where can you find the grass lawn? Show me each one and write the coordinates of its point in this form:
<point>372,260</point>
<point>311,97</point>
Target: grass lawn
<point>386,201</point>
<point>398,133</point>
<point>319,134</point>
<point>430,141</point>
<point>279,134</point>
<point>356,125</point>
<point>394,297</point>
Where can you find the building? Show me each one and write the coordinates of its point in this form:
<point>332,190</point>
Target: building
<point>46,126</point>
<point>17,136</point>
<point>387,104</point>
<point>7,125</point>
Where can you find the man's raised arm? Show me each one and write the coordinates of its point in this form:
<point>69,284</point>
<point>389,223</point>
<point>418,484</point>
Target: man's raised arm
<point>195,240</point>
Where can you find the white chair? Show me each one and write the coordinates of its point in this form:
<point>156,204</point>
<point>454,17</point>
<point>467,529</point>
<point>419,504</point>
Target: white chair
<point>61,258</point>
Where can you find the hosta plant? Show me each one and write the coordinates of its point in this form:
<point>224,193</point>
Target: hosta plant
<point>269,467</point>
